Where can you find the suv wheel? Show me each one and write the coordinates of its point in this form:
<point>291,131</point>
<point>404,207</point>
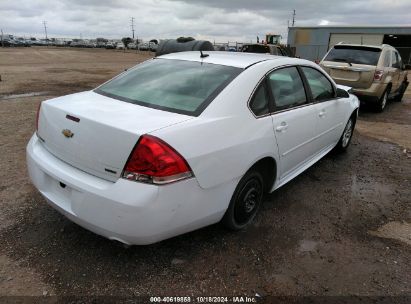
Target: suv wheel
<point>383,100</point>
<point>401,91</point>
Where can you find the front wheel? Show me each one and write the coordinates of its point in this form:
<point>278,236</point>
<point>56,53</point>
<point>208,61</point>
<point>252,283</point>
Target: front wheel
<point>245,201</point>
<point>383,101</point>
<point>345,138</point>
<point>402,89</point>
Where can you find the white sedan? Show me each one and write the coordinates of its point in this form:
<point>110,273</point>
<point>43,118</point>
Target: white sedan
<point>186,140</point>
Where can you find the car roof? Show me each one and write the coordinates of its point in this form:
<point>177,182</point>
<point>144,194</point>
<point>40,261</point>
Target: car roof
<point>234,59</point>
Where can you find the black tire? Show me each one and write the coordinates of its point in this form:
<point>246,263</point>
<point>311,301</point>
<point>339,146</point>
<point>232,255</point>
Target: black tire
<point>346,137</point>
<point>245,202</point>
<point>402,89</point>
<point>382,102</point>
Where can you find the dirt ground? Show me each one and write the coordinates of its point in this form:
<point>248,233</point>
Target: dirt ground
<point>341,228</point>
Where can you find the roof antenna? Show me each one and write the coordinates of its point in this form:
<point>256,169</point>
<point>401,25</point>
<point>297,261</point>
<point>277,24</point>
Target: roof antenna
<point>203,55</point>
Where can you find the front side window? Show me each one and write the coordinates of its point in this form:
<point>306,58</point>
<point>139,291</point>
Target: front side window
<point>321,87</point>
<point>287,88</point>
<point>400,63</point>
<point>398,60</point>
<point>395,63</point>
<point>178,86</point>
<point>259,102</point>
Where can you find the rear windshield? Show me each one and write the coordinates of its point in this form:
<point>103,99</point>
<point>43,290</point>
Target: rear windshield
<point>354,54</point>
<point>178,86</point>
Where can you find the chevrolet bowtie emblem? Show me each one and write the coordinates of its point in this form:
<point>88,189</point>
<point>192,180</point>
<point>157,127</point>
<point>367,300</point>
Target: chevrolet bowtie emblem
<point>67,133</point>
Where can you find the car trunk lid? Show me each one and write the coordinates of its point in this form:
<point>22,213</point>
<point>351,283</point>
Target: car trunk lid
<point>358,76</point>
<point>96,133</point>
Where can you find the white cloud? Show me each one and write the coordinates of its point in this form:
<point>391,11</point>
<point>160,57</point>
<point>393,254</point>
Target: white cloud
<point>219,20</point>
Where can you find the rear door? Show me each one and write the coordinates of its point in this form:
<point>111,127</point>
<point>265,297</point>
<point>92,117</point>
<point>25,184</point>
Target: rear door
<point>294,119</point>
<point>396,71</point>
<point>329,109</point>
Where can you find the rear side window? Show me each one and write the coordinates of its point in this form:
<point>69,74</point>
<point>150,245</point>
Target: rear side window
<point>178,86</point>
<point>287,88</point>
<point>354,54</point>
<point>259,102</point>
<point>387,59</point>
<point>321,87</point>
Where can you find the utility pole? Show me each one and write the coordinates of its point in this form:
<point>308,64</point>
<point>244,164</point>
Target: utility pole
<point>293,17</point>
<point>2,40</point>
<point>132,26</point>
<point>45,28</point>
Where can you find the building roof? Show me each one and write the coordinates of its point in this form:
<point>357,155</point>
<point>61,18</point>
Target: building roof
<point>350,26</point>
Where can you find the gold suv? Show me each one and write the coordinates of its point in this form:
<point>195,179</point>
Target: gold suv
<point>375,73</point>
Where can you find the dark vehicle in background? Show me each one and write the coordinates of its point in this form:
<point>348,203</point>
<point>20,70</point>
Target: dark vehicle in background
<point>6,43</point>
<point>375,73</point>
<point>272,49</point>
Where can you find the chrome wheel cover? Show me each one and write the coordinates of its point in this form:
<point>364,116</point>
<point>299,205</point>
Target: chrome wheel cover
<point>347,134</point>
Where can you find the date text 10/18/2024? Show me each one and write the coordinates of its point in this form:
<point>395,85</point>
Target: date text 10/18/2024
<point>236,299</point>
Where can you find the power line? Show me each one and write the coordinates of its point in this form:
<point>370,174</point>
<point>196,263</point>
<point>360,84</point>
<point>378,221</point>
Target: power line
<point>293,17</point>
<point>132,26</point>
<point>45,28</point>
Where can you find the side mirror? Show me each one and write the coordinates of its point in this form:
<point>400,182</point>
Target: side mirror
<point>342,93</point>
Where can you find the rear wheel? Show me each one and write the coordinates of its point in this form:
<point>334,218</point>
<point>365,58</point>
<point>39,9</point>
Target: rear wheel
<point>383,100</point>
<point>345,138</point>
<point>245,202</point>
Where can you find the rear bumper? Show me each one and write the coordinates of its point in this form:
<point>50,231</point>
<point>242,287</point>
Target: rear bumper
<point>372,94</point>
<point>130,212</point>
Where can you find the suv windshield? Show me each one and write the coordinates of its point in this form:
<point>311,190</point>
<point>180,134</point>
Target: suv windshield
<point>354,54</point>
<point>178,86</point>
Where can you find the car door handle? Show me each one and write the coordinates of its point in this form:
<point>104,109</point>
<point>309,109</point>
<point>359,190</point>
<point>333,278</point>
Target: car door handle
<point>322,113</point>
<point>282,127</point>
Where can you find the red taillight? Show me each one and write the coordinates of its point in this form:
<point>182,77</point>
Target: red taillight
<point>154,161</point>
<point>378,75</point>
<point>37,117</point>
